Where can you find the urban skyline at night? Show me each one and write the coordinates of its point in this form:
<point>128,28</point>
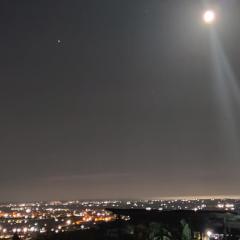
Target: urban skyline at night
<point>29,219</point>
<point>119,99</point>
<point>119,120</point>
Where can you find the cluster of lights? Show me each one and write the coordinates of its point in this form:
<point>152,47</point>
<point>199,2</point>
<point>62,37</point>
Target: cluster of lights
<point>226,206</point>
<point>26,219</point>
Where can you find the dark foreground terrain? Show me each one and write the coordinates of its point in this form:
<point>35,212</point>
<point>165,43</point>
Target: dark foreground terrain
<point>159,225</point>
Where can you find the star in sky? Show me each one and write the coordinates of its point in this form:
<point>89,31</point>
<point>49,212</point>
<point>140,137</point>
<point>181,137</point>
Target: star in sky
<point>59,43</point>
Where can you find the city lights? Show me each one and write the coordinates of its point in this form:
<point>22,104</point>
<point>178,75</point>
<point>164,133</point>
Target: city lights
<point>28,219</point>
<point>70,216</point>
<point>209,233</point>
<point>69,222</point>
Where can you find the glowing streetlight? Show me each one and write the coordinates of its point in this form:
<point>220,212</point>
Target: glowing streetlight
<point>209,17</point>
<point>209,233</point>
<point>69,222</point>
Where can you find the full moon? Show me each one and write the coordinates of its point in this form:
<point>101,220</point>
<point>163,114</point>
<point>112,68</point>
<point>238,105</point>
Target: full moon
<point>209,16</point>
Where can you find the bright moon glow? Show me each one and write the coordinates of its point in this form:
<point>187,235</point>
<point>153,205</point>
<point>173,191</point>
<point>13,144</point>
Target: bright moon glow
<point>209,17</point>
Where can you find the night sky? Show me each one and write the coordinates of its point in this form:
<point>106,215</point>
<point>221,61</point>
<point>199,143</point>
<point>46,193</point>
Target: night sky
<point>115,99</point>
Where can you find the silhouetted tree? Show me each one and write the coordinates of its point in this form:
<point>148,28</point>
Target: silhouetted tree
<point>186,230</point>
<point>158,232</point>
<point>15,237</point>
